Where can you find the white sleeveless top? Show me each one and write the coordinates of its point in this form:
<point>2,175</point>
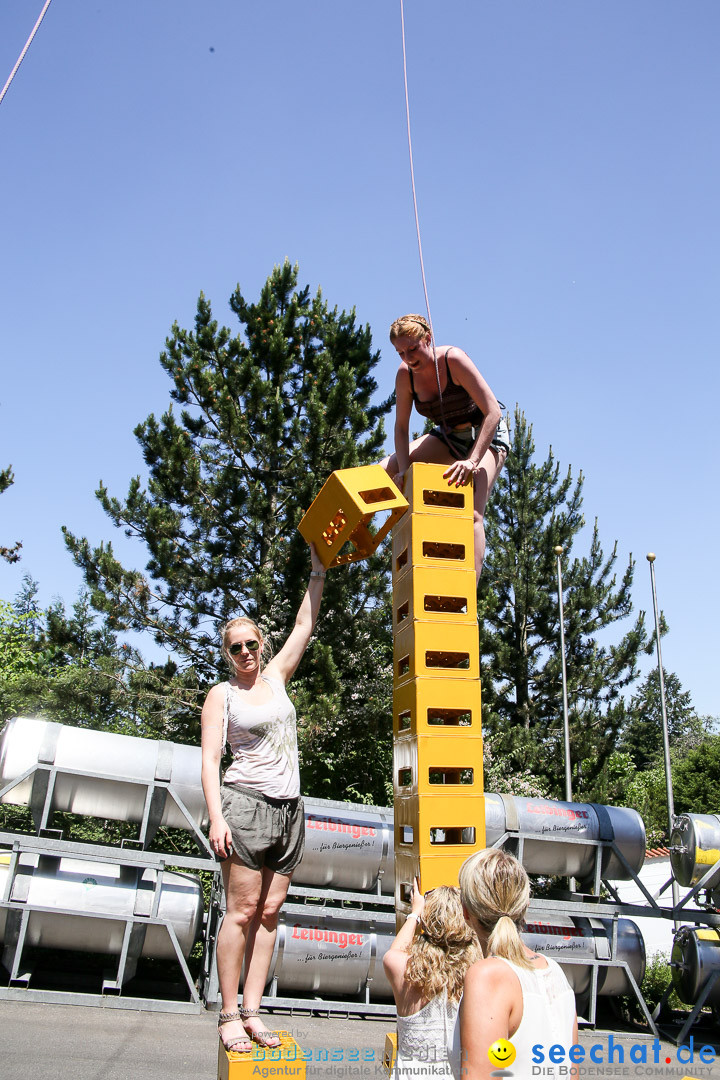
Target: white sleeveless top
<point>422,1040</point>
<point>263,740</point>
<point>548,1018</point>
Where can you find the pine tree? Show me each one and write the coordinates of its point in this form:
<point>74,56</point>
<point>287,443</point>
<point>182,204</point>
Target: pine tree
<point>642,734</point>
<point>265,415</point>
<point>71,668</point>
<point>532,509</point>
<point>9,554</point>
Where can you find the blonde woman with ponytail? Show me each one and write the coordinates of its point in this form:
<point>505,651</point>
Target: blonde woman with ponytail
<point>514,993</point>
<point>426,966</point>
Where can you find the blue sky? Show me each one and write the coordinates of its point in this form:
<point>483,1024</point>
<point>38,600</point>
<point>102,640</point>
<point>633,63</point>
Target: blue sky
<point>567,165</point>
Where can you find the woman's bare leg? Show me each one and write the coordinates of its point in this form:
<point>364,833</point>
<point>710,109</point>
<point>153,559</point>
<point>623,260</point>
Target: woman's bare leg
<point>426,448</point>
<point>260,942</point>
<point>242,894</point>
<point>485,476</point>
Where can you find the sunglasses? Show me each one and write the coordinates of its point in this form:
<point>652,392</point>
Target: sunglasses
<point>252,646</point>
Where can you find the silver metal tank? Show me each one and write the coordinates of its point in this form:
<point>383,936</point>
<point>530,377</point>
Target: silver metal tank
<point>695,957</point>
<point>347,846</point>
<point>567,821</point>
<point>694,847</point>
<point>117,758</point>
<point>332,953</point>
<point>580,938</point>
<point>73,885</point>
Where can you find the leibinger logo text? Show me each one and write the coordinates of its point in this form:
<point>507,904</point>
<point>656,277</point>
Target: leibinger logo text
<point>645,1053</point>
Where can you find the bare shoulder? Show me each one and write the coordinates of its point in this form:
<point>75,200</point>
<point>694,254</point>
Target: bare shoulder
<point>457,357</point>
<point>395,961</point>
<point>215,694</point>
<point>402,378</point>
<point>487,976</point>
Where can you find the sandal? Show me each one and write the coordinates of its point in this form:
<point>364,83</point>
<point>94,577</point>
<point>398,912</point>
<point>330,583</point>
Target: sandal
<point>262,1038</point>
<point>233,1045</point>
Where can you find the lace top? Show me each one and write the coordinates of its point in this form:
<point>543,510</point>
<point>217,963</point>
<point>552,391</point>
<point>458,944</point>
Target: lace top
<point>424,1036</point>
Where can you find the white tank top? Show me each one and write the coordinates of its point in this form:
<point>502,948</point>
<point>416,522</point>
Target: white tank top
<point>263,740</point>
<point>548,1018</point>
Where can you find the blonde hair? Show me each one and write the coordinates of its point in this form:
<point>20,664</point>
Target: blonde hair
<point>495,889</point>
<point>443,948</point>
<point>412,326</point>
<point>224,633</point>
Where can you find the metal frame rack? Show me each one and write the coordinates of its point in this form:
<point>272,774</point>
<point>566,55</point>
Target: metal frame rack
<point>19,912</point>
<point>592,905</point>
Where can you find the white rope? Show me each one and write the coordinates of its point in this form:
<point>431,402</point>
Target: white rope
<point>21,57</point>
<point>415,207</point>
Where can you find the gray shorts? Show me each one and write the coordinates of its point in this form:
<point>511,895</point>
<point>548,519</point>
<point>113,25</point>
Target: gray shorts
<point>460,441</point>
<point>265,831</point>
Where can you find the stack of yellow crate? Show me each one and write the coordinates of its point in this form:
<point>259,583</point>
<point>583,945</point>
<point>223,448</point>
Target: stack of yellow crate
<point>438,748</point>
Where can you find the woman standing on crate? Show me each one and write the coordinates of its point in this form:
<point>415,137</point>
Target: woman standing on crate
<point>257,823</point>
<point>470,434</point>
<point>425,966</point>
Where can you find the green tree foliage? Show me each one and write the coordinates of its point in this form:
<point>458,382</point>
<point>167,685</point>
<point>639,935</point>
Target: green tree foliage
<point>258,421</point>
<point>70,668</point>
<point>696,787</point>
<point>642,736</point>
<point>9,554</point>
<point>534,508</point>
<point>634,774</point>
<point>696,778</point>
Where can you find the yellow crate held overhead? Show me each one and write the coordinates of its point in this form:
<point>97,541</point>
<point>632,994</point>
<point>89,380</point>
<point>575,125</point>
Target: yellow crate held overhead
<point>343,512</point>
<point>432,541</point>
<point>438,765</point>
<point>428,492</point>
<point>434,706</point>
<point>436,650</point>
<point>445,596</point>
<point>286,1062</point>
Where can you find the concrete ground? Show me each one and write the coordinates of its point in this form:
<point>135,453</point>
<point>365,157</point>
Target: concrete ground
<point>71,1042</point>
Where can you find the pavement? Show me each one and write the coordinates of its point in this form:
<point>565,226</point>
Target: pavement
<point>77,1042</point>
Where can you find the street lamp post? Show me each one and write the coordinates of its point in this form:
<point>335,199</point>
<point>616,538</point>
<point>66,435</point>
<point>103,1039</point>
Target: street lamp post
<point>566,724</point>
<point>663,709</point>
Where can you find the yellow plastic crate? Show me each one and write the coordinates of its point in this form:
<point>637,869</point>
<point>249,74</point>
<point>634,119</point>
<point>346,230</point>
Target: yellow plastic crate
<point>438,765</point>
<point>437,595</point>
<point>436,650</point>
<point>343,511</point>
<point>428,492</point>
<point>434,541</point>
<point>440,824</point>
<point>390,1052</point>
<point>286,1060</point>
<point>431,870</point>
<point>428,706</point>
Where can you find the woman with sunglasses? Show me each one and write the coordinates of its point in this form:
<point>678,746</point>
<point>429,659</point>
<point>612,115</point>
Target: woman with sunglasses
<point>257,823</point>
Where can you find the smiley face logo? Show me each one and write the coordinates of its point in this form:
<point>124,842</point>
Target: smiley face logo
<point>501,1053</point>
